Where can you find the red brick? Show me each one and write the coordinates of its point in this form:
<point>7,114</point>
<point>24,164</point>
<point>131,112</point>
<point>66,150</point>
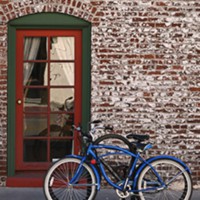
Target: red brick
<point>4,1</point>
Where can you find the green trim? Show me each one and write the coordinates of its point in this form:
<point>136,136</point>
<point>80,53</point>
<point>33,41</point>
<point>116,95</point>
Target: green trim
<point>49,20</point>
<point>45,21</point>
<point>11,100</point>
<point>86,78</point>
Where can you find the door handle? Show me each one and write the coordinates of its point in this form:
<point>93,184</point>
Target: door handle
<point>19,101</point>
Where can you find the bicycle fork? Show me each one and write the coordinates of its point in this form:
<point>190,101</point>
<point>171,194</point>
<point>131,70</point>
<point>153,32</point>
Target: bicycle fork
<point>77,174</point>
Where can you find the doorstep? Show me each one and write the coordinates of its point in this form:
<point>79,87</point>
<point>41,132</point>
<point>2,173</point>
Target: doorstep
<point>26,179</point>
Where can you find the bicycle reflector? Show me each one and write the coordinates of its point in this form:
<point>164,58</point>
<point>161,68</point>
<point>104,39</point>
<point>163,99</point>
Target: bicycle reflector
<point>93,161</point>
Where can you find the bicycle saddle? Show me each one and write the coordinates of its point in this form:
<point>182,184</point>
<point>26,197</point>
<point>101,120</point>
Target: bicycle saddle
<point>140,138</point>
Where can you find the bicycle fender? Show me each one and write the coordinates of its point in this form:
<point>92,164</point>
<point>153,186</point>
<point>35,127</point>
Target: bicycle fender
<point>98,179</point>
<point>143,165</point>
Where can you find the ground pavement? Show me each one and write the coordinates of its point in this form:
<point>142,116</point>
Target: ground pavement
<point>37,194</point>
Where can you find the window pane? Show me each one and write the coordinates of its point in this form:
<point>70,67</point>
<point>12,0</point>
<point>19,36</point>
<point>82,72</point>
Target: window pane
<point>62,48</point>
<point>60,148</point>
<point>35,125</point>
<point>61,125</point>
<point>62,99</point>
<point>35,48</point>
<point>62,74</point>
<point>35,151</point>
<point>35,99</point>
<point>35,74</point>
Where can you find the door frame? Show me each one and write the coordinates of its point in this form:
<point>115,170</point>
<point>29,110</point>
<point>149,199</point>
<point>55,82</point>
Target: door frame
<point>45,21</point>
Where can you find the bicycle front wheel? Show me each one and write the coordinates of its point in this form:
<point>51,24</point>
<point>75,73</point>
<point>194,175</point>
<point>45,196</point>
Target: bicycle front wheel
<point>57,181</point>
<point>178,184</point>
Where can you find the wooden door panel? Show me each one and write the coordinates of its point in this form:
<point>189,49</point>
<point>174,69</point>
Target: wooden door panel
<point>48,96</point>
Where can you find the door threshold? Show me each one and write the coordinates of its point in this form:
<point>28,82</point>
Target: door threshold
<point>26,179</point>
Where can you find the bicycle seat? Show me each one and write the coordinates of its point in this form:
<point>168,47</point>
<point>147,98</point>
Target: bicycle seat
<point>140,138</point>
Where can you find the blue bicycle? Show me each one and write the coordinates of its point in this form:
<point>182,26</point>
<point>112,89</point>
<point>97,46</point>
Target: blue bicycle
<point>123,167</point>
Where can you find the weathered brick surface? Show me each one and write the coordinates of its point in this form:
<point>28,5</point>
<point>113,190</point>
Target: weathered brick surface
<point>145,68</point>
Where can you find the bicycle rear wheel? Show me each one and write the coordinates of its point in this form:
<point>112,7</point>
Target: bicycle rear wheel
<point>177,180</point>
<point>57,181</point>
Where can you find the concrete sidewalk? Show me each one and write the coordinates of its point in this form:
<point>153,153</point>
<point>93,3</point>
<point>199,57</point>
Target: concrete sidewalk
<point>37,194</point>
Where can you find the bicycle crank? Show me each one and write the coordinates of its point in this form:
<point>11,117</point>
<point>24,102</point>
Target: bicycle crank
<point>124,194</point>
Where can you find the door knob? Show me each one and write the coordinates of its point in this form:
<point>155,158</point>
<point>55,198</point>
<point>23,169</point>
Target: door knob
<point>19,101</point>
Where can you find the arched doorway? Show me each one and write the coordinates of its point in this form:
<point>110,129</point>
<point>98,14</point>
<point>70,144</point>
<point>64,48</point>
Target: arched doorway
<point>48,75</point>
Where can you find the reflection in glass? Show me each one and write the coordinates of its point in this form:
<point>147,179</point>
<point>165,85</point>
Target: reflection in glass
<point>62,74</point>
<point>60,148</point>
<point>35,74</point>
<point>61,125</point>
<point>62,48</point>
<point>35,150</point>
<point>35,125</point>
<point>35,99</point>
<point>62,98</point>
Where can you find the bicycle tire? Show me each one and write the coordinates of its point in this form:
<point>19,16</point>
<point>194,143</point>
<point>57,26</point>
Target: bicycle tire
<point>56,185</point>
<point>179,182</point>
<point>110,136</point>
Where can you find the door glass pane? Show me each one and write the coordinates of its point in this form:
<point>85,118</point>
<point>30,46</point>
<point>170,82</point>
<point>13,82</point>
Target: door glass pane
<point>62,48</point>
<point>61,124</point>
<point>62,74</point>
<point>35,125</point>
<point>35,99</point>
<point>60,148</point>
<point>35,48</point>
<point>35,74</point>
<point>62,99</point>
<point>35,150</point>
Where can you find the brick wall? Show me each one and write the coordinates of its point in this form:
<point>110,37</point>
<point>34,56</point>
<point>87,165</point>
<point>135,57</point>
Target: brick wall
<point>145,68</point>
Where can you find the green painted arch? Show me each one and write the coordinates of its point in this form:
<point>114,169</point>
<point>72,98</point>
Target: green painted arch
<point>49,19</point>
<point>45,21</point>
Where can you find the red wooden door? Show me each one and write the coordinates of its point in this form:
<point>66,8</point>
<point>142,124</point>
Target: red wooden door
<point>48,96</point>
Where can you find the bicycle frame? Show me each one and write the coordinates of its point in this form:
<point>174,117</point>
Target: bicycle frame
<point>133,169</point>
